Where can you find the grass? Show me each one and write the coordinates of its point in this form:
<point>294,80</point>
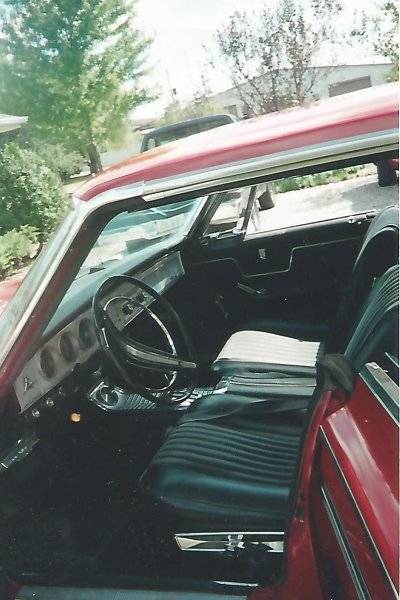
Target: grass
<point>306,181</point>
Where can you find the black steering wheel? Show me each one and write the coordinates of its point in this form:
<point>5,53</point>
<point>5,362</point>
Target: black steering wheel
<point>123,357</point>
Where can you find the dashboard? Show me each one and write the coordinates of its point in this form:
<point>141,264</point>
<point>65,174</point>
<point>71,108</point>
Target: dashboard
<point>76,342</point>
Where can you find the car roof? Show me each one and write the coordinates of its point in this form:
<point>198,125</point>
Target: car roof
<point>194,121</point>
<point>350,115</point>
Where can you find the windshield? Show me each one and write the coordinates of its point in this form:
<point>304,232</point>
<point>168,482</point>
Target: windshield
<point>126,233</point>
<point>134,232</point>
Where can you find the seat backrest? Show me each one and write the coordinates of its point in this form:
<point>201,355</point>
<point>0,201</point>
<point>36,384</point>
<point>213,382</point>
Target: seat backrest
<point>377,322</point>
<point>378,253</point>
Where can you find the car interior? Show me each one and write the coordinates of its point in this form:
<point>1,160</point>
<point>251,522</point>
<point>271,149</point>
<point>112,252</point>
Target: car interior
<point>157,431</point>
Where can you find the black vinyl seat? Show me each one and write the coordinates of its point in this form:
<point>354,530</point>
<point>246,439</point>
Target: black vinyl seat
<point>229,473</point>
<point>230,463</point>
<point>230,460</point>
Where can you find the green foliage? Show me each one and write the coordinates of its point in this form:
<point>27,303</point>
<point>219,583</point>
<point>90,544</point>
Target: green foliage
<point>16,247</point>
<point>387,41</point>
<point>306,181</point>
<point>30,193</point>
<point>379,31</point>
<point>177,111</point>
<point>73,67</point>
<point>199,106</point>
<point>61,161</point>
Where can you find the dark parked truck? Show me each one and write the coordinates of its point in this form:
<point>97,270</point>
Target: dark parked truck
<point>176,131</point>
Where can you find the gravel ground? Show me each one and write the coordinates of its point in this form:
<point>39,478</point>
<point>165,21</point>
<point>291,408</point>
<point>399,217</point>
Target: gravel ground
<point>329,201</point>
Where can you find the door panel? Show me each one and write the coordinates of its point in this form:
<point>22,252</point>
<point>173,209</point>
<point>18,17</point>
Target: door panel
<point>355,496</point>
<point>289,274</point>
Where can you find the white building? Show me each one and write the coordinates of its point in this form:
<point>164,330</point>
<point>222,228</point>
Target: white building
<point>332,81</point>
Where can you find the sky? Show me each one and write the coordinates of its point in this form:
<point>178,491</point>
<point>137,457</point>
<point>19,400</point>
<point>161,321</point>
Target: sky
<point>180,30</point>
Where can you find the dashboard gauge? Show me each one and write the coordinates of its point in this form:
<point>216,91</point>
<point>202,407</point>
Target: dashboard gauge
<point>86,333</point>
<point>67,347</point>
<point>47,363</point>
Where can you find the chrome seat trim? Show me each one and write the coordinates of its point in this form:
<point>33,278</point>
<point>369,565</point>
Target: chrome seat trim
<point>228,541</point>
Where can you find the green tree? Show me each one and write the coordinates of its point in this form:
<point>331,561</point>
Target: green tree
<point>271,54</point>
<point>380,31</point>
<point>387,42</point>
<point>200,104</point>
<point>31,195</point>
<point>73,67</point>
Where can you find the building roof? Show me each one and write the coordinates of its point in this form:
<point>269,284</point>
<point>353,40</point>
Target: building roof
<point>358,113</point>
<point>9,122</point>
<point>324,68</point>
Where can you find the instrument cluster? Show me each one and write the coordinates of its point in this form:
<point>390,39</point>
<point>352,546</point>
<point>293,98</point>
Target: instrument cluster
<point>76,343</point>
<point>71,346</point>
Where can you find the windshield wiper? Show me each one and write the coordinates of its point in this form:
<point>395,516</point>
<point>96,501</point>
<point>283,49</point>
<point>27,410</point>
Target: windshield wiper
<point>96,268</point>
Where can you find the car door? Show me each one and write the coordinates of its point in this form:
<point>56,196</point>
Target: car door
<point>293,273</point>
<point>355,496</point>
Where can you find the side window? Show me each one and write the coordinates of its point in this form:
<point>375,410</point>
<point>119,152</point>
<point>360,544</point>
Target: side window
<point>230,212</point>
<point>328,195</point>
<point>151,143</point>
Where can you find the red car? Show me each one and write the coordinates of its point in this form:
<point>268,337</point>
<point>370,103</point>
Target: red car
<point>199,399</point>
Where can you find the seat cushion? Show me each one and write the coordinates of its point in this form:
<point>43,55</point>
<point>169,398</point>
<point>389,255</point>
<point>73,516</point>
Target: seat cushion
<point>235,472</point>
<point>261,351</point>
<point>303,330</point>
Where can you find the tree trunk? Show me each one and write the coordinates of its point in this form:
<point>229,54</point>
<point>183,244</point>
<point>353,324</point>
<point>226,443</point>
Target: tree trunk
<point>94,158</point>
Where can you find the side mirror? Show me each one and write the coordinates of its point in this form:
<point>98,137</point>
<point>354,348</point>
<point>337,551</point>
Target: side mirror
<point>265,200</point>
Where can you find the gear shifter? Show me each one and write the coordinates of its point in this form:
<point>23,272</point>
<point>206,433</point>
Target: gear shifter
<point>107,395</point>
<point>112,398</point>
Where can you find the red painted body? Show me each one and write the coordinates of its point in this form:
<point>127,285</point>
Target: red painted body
<point>8,287</point>
<point>363,438</point>
<point>359,113</point>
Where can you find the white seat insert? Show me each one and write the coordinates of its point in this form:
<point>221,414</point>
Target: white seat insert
<point>262,348</point>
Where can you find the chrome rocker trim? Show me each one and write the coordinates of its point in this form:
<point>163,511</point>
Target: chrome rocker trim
<point>228,541</point>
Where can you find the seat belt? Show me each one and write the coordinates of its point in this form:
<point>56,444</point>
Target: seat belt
<point>275,395</point>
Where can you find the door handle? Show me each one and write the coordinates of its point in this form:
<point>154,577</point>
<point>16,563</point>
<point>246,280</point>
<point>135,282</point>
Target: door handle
<point>262,253</point>
<point>252,291</point>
